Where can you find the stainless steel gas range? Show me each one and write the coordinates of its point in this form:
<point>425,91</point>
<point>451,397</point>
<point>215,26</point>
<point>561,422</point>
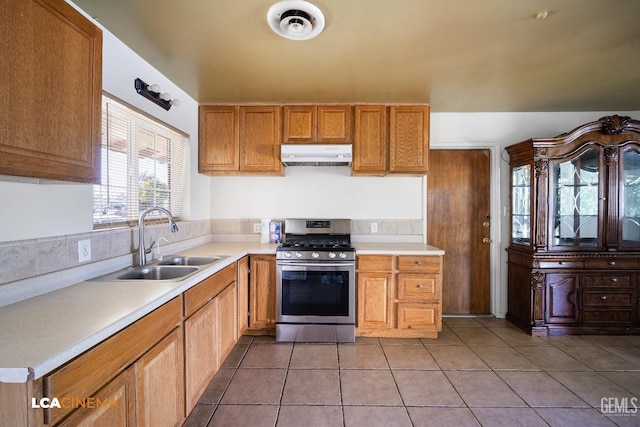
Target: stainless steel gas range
<point>316,289</point>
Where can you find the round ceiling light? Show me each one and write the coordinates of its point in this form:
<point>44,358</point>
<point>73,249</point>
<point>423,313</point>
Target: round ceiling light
<point>295,19</point>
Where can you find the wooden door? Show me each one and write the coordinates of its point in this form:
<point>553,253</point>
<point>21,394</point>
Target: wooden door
<point>370,140</point>
<point>334,124</point>
<point>201,351</point>
<point>160,383</point>
<point>299,124</point>
<point>262,292</point>
<point>375,296</point>
<point>458,194</point>
<point>243,295</point>
<point>218,146</point>
<point>409,139</point>
<point>227,325</point>
<point>259,139</point>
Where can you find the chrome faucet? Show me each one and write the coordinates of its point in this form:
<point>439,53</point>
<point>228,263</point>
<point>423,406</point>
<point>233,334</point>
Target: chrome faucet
<point>142,251</point>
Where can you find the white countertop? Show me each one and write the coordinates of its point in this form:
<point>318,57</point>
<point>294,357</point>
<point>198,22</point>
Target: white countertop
<point>40,334</point>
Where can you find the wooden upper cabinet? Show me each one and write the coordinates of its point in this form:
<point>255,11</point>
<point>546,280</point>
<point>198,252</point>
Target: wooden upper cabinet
<point>239,139</point>
<point>370,140</point>
<point>218,145</point>
<point>330,124</point>
<point>409,139</point>
<point>50,51</point>
<point>260,140</point>
<point>300,124</point>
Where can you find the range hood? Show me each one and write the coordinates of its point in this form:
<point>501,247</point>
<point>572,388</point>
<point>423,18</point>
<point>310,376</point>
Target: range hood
<point>316,154</point>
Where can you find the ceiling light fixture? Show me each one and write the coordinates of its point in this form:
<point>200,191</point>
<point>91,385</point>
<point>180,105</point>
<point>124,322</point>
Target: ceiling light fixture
<point>295,19</point>
<point>153,93</point>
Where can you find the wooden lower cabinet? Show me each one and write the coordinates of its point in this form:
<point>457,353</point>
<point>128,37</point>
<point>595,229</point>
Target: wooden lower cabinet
<point>201,352</point>
<point>597,294</point>
<point>375,300</point>
<point>152,347</point>
<point>118,407</point>
<point>243,295</point>
<point>159,378</point>
<point>399,296</point>
<point>210,330</point>
<point>262,294</point>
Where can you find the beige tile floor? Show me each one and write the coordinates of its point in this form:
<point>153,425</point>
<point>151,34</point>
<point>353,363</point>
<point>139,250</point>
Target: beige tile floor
<point>480,371</point>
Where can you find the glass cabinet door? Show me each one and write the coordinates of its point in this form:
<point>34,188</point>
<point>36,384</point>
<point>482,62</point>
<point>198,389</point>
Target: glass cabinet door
<point>575,201</point>
<point>630,198</point>
<point>521,205</point>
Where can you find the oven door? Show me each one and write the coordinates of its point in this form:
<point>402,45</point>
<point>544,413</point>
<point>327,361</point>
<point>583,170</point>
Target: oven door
<point>315,293</point>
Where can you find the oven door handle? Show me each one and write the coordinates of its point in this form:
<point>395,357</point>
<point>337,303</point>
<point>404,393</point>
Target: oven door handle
<point>318,264</point>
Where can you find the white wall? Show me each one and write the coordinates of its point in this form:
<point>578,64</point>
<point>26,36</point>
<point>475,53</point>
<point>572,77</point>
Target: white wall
<point>328,192</point>
<point>31,209</point>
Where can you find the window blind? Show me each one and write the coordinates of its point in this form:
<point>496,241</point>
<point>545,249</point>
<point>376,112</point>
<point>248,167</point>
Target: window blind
<point>143,165</point>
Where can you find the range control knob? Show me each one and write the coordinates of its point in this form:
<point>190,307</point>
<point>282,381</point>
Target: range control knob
<point>287,254</point>
<point>332,255</point>
<point>343,255</point>
<point>315,255</point>
<point>298,254</point>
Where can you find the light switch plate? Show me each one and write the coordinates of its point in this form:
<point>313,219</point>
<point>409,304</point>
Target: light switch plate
<point>374,227</point>
<point>84,250</point>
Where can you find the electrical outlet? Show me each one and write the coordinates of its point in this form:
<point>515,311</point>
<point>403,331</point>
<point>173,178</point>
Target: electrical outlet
<point>257,227</point>
<point>84,250</point>
<point>374,227</point>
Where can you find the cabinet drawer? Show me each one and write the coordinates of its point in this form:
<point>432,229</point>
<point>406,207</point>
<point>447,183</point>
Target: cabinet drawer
<point>418,287</point>
<point>419,316</point>
<point>204,291</point>
<point>419,263</point>
<point>562,264</point>
<point>607,316</point>
<point>375,263</point>
<point>611,264</point>
<point>607,280</point>
<point>607,298</point>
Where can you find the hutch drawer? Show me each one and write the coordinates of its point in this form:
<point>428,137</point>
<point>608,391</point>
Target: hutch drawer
<point>607,280</point>
<point>608,298</point>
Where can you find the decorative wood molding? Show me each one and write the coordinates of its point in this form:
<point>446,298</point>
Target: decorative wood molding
<point>614,125</point>
<point>537,292</point>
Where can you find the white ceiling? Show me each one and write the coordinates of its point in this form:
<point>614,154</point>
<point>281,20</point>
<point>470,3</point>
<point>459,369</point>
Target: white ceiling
<point>457,55</point>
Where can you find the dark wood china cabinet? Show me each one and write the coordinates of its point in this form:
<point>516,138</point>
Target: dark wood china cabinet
<point>574,254</point>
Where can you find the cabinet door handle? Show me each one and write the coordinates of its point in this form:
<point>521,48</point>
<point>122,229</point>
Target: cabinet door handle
<point>603,297</point>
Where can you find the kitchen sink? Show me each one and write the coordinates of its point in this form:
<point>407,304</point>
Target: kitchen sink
<point>190,260</point>
<point>157,272</point>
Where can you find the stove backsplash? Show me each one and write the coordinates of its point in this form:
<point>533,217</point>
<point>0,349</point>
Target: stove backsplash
<point>388,230</point>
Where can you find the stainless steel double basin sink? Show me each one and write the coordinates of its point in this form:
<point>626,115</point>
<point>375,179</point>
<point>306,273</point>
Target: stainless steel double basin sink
<point>172,268</point>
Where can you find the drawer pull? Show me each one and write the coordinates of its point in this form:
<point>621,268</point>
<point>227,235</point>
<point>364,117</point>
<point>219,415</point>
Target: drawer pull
<point>614,279</point>
<point>420,286</point>
<point>603,297</point>
<point>418,262</point>
<point>560,262</point>
<point>612,263</point>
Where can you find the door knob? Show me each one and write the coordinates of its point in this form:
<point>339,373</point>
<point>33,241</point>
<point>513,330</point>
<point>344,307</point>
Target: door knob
<point>486,240</point>
<point>486,224</point>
